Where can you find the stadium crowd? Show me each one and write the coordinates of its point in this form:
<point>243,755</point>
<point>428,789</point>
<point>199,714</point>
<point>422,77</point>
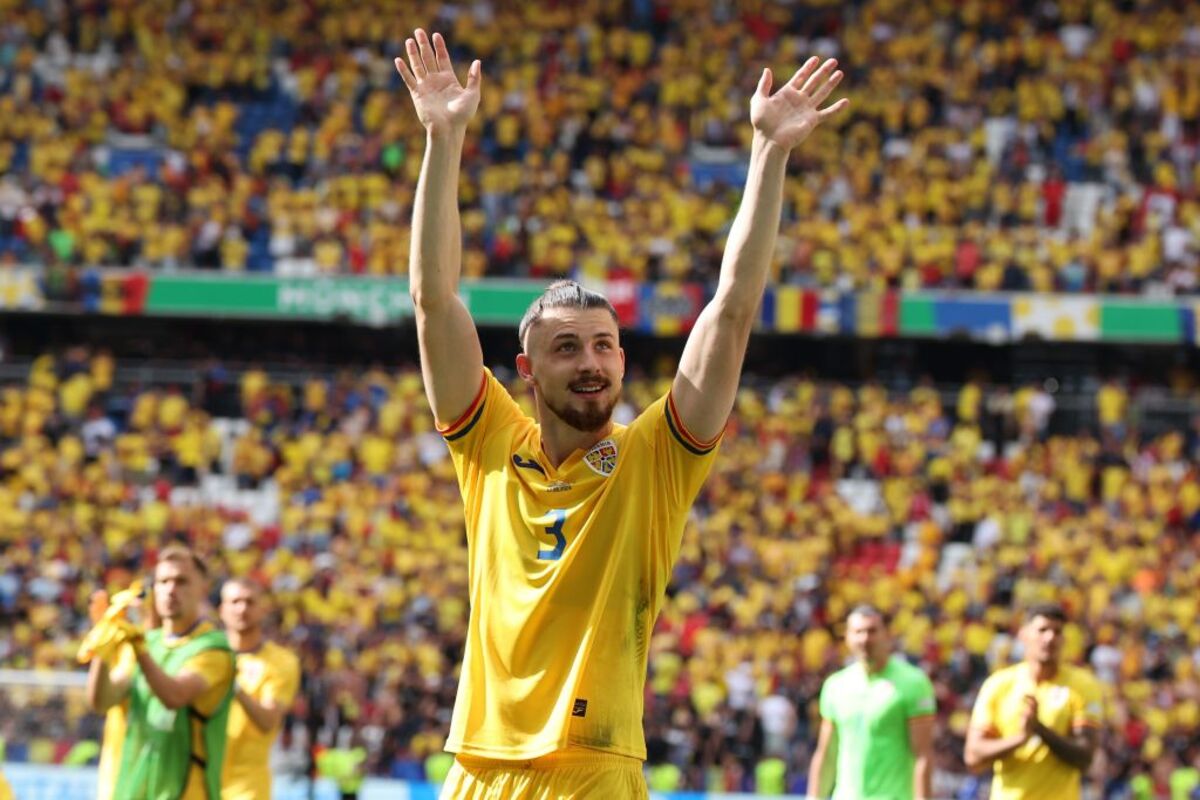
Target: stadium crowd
<point>336,492</point>
<point>1041,144</point>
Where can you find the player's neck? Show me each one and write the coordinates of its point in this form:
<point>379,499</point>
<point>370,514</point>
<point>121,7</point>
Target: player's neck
<point>179,626</point>
<point>246,641</point>
<point>874,667</point>
<point>1042,672</point>
<point>560,440</point>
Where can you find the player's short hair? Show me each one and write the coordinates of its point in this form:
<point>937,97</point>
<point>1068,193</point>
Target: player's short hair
<point>246,583</point>
<point>562,294</point>
<point>182,554</point>
<point>1052,611</point>
<point>870,611</point>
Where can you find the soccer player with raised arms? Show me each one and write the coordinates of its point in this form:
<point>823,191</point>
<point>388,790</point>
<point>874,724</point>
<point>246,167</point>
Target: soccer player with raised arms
<point>573,521</point>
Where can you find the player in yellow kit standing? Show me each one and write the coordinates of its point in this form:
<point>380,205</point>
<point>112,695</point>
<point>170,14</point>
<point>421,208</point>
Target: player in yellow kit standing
<point>268,676</point>
<point>573,521</point>
<point>1036,722</point>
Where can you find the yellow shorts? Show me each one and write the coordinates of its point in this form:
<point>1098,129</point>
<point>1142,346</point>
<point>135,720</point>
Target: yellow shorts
<point>560,776</point>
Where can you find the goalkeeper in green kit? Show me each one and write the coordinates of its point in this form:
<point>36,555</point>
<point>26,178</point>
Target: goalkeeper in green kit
<point>876,740</point>
<point>179,685</point>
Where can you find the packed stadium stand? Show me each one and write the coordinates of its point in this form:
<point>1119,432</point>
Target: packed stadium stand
<point>1029,146</point>
<point>950,510</point>
<point>990,145</point>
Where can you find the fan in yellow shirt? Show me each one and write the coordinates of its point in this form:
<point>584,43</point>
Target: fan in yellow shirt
<point>573,521</point>
<point>1036,722</point>
<point>268,676</point>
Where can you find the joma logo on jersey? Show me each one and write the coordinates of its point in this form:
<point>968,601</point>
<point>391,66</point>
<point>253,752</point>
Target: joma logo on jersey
<point>602,459</point>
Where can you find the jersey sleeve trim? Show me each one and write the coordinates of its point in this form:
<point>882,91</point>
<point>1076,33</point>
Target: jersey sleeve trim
<point>683,435</point>
<point>463,425</point>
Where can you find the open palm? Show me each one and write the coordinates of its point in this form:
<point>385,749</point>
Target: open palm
<point>443,104</point>
<point>792,113</point>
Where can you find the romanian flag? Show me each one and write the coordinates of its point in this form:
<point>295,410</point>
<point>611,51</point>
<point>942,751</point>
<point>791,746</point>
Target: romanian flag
<point>795,309</point>
<point>871,314</point>
<point>791,309</point>
<point>112,293</point>
<point>122,294</point>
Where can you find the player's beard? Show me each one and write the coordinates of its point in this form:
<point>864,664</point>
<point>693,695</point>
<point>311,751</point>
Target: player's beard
<point>589,419</point>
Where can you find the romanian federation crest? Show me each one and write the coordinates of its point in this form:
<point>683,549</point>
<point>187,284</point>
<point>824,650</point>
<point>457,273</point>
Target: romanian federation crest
<point>602,458</point>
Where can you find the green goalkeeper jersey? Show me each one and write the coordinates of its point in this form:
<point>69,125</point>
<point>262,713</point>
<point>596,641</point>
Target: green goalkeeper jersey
<point>871,714</point>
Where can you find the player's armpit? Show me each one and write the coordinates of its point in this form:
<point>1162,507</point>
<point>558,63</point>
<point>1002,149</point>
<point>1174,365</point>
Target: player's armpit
<point>682,461</point>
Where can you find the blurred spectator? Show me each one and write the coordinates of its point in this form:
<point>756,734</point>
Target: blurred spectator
<point>1022,145</point>
<point>336,492</point>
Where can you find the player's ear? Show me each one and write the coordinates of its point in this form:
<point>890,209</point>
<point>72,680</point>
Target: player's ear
<point>524,367</point>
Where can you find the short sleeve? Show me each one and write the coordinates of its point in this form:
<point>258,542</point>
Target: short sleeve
<point>283,681</point>
<point>919,700</point>
<point>825,702</point>
<point>682,462</point>
<point>216,668</point>
<point>1088,703</point>
<point>123,664</point>
<point>983,715</point>
<point>492,410</point>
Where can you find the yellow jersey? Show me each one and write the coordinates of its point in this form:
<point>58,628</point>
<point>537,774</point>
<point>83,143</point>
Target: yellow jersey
<point>270,674</point>
<point>114,731</point>
<point>568,569</point>
<point>1068,702</point>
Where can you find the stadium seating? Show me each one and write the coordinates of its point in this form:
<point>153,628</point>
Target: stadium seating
<point>1024,145</point>
<point>337,492</point>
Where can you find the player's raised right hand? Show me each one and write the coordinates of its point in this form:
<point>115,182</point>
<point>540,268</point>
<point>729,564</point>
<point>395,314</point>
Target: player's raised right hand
<point>443,105</point>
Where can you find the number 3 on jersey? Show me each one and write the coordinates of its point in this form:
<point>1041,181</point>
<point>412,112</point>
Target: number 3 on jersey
<point>560,539</point>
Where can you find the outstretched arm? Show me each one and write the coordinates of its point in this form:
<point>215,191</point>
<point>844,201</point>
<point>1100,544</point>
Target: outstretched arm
<point>451,358</point>
<point>711,364</point>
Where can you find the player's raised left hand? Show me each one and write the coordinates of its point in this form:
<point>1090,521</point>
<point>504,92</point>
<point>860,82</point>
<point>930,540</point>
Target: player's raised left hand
<point>788,116</point>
